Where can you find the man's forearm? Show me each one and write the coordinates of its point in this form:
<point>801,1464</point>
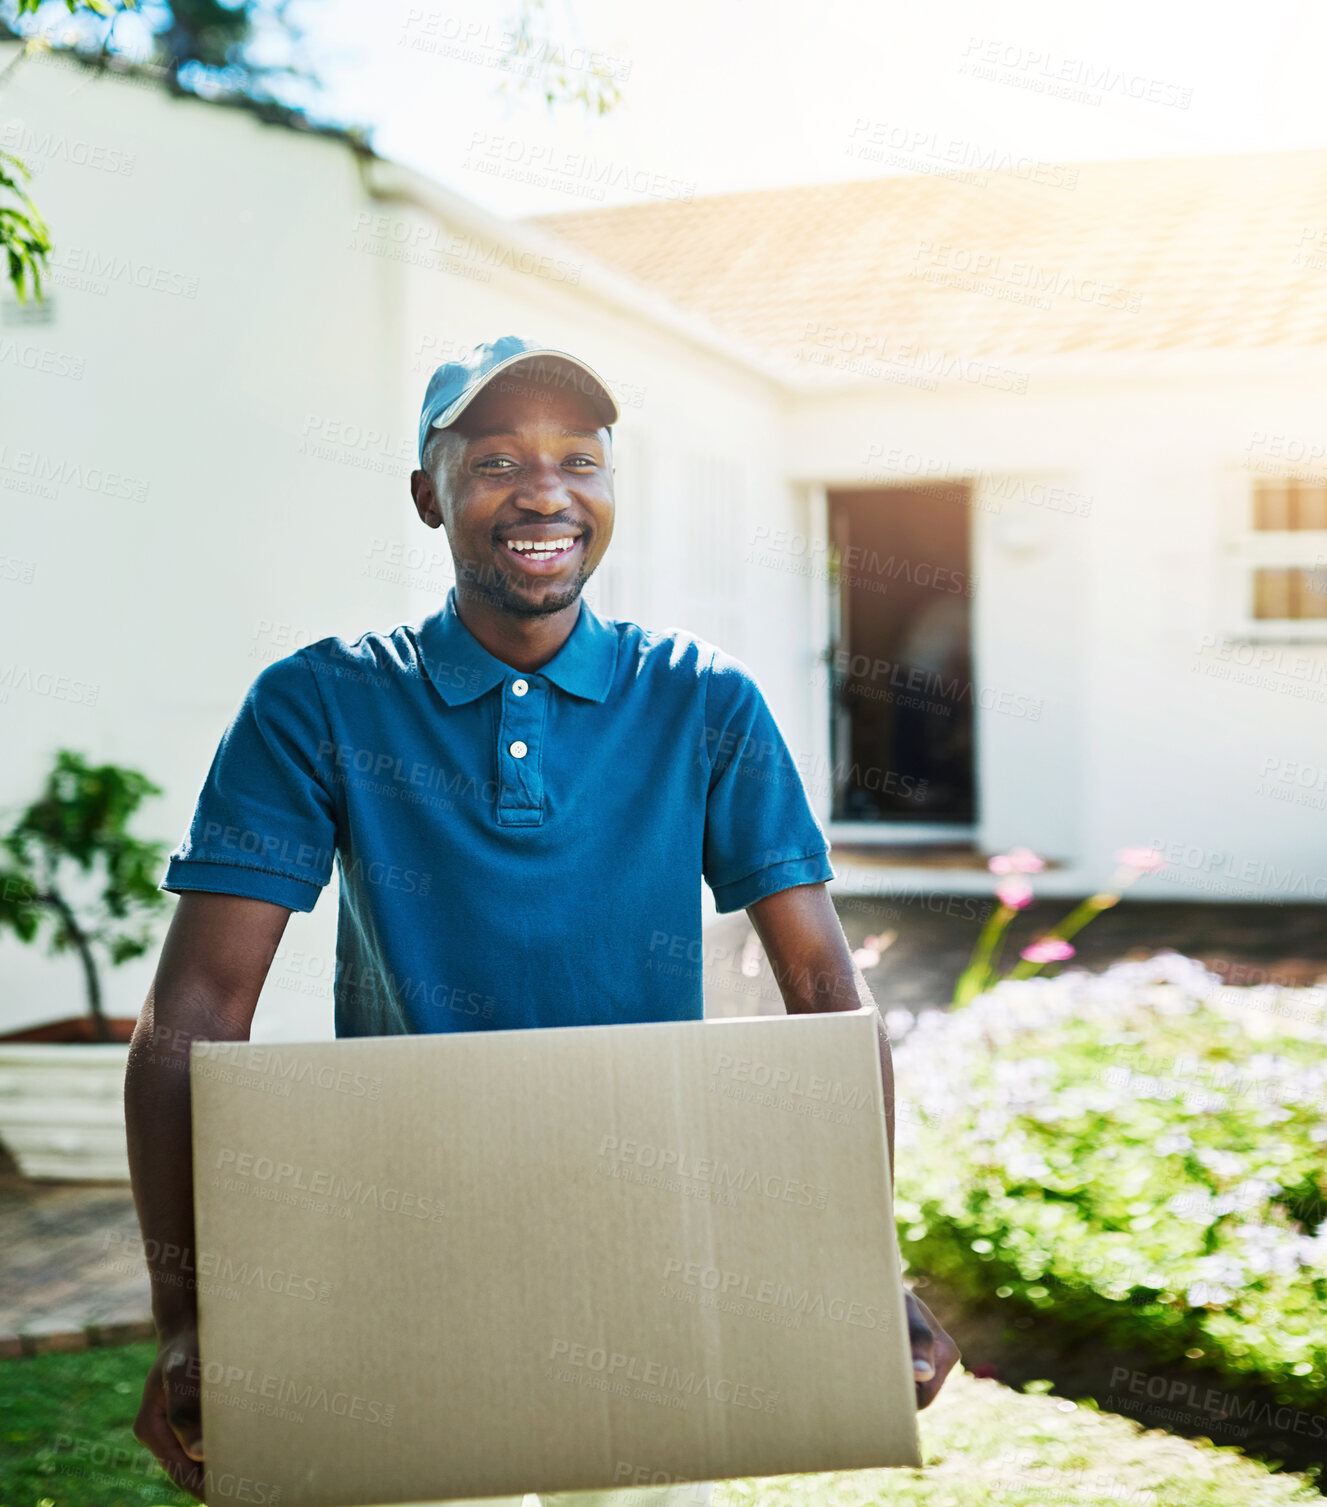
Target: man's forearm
<point>813,967</point>
<point>158,1120</point>
<point>837,984</point>
<point>160,1135</point>
<point>213,963</point>
<point>847,991</point>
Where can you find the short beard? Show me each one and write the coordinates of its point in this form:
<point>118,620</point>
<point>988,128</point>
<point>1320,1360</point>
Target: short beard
<point>497,591</point>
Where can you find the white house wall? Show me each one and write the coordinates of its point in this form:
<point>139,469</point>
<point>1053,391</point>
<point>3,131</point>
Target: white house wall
<point>241,539</point>
<point>1152,729</point>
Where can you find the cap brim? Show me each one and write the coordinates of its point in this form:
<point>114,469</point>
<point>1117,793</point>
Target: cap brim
<point>601,395</point>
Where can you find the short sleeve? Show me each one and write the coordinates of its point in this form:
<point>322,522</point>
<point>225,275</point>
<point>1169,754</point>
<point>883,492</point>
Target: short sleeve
<point>265,824</point>
<point>761,835</point>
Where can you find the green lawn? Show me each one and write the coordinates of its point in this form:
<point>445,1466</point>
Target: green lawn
<point>66,1432</point>
<point>985,1446</point>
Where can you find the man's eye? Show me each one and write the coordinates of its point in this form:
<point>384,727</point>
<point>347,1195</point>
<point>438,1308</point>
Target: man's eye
<point>579,460</point>
<point>495,461</point>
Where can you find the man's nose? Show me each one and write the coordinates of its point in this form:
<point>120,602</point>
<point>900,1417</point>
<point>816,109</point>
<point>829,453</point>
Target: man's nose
<point>543,489</point>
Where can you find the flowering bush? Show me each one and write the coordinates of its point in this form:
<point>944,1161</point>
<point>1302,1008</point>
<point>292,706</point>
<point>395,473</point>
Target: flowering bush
<point>1141,1154</point>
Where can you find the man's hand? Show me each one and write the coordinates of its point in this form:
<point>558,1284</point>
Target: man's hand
<point>170,1420</point>
<point>934,1354</point>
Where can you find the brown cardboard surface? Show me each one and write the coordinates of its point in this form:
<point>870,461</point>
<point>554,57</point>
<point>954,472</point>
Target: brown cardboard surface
<point>488,1263</point>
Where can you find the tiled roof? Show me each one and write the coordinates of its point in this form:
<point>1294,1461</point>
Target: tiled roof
<point>1180,254</point>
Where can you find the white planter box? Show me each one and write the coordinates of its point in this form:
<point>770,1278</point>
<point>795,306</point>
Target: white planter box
<point>62,1110</point>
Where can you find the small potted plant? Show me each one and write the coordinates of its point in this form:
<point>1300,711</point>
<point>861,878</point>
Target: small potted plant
<point>72,875</point>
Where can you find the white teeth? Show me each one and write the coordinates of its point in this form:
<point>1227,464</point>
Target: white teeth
<point>539,547</point>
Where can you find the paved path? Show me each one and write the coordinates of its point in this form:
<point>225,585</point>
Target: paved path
<point>71,1267</point>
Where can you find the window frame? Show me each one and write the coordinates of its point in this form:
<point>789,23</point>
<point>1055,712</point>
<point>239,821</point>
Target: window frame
<point>1246,548</point>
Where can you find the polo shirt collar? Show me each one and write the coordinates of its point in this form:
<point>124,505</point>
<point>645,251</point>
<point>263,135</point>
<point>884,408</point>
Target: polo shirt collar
<point>463,670</point>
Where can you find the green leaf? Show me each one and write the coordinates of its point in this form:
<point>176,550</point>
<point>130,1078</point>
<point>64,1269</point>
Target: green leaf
<point>23,234</point>
<point>80,825</point>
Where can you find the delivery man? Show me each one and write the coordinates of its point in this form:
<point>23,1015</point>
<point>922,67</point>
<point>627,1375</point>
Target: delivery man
<point>522,798</point>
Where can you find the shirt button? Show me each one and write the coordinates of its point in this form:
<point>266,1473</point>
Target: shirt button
<point>519,687</point>
<point>518,750</point>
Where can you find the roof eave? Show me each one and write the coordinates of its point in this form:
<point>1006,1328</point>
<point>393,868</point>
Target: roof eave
<point>1017,375</point>
<point>392,180</point>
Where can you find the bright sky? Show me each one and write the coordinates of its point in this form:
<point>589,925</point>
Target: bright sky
<point>720,96</point>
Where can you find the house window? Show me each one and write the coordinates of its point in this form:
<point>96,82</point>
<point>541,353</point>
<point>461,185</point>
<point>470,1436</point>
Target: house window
<point>1279,559</point>
<point>1292,593</point>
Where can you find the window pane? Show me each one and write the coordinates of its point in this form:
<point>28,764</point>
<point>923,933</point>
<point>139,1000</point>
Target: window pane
<point>1297,593</point>
<point>1290,504</point>
<point>1311,512</point>
<point>1270,505</point>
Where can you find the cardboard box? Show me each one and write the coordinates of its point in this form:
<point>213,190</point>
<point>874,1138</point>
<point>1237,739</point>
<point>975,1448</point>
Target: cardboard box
<point>436,1267</point>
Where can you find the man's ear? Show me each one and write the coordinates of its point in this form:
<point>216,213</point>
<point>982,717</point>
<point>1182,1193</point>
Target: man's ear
<point>425,494</point>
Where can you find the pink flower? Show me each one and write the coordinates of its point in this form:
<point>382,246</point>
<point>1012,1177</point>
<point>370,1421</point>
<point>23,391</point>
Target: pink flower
<point>868,954</point>
<point>1141,860</point>
<point>1019,861</point>
<point>1015,893</point>
<point>1048,950</point>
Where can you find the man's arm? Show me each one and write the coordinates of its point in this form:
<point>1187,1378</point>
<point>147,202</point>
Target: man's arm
<point>213,964</point>
<point>809,954</point>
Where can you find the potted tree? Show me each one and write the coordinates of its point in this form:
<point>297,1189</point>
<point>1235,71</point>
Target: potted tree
<point>72,875</point>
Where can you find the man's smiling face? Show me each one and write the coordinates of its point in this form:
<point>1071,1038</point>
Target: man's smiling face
<point>523,487</point>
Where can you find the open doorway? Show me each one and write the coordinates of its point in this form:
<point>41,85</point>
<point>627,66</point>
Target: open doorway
<point>900,657</point>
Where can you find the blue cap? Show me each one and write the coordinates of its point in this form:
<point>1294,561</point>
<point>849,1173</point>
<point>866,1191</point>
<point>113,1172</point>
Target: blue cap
<point>455,384</point>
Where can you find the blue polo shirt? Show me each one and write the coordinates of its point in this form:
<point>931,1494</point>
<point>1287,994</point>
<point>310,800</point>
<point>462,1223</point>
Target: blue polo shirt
<point>515,848</point>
